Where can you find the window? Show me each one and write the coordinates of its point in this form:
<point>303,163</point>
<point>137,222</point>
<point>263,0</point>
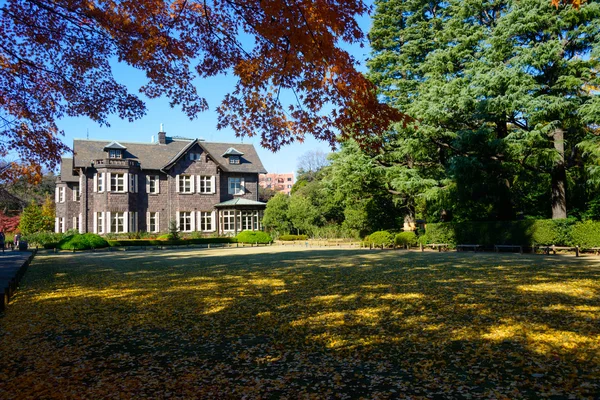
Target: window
<point>133,222</point>
<point>248,220</point>
<point>112,153</point>
<point>289,179</point>
<point>62,225</point>
<point>153,222</point>
<point>76,193</point>
<point>236,186</point>
<point>185,184</point>
<point>234,159</point>
<point>60,195</point>
<point>152,184</point>
<point>117,182</point>
<point>205,221</point>
<point>133,183</point>
<point>228,220</point>
<point>268,179</point>
<point>99,182</point>
<point>76,221</point>
<point>194,156</point>
<point>289,186</point>
<point>117,222</point>
<point>205,184</point>
<point>100,222</point>
<point>185,221</point>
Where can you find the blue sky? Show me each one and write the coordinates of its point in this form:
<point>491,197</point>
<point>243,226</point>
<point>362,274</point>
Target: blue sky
<point>177,124</point>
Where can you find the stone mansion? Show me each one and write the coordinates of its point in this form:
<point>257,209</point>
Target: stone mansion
<point>119,187</point>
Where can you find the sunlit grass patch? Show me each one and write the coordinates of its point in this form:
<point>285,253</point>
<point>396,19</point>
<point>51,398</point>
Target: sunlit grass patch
<point>276,323</point>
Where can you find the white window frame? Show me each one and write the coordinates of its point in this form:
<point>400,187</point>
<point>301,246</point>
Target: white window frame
<point>117,222</point>
<point>133,183</point>
<point>117,183</point>
<point>99,222</point>
<point>185,184</point>
<point>247,220</point>
<point>206,184</point>
<point>228,219</point>
<point>152,180</point>
<point>99,180</point>
<point>133,222</point>
<point>234,160</point>
<point>206,221</point>
<point>194,156</point>
<point>153,216</point>
<point>235,186</point>
<point>76,192</point>
<point>114,153</point>
<point>62,225</point>
<point>186,221</point>
<point>61,194</point>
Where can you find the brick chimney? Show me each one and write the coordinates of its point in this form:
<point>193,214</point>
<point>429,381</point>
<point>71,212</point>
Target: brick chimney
<point>162,135</point>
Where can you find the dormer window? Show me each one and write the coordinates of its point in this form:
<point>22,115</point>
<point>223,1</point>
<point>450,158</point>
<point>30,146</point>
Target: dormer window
<point>112,153</point>
<point>233,155</point>
<point>115,150</point>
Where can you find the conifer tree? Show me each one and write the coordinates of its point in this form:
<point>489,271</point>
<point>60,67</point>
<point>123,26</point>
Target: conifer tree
<point>497,91</point>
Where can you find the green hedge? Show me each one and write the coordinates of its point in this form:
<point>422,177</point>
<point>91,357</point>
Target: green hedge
<point>254,237</point>
<point>82,242</point>
<point>406,239</point>
<point>293,237</point>
<point>586,234</point>
<point>180,242</point>
<point>526,233</point>
<point>380,238</point>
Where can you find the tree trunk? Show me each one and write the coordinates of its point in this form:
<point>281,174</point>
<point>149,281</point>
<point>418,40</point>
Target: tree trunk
<point>559,177</point>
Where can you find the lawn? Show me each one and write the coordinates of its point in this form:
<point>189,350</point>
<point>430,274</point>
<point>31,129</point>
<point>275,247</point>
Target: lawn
<point>300,323</point>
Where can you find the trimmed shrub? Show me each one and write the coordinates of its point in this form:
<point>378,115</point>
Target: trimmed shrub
<point>552,231</point>
<point>380,238</point>
<point>586,234</point>
<point>43,238</point>
<point>161,242</point>
<point>440,233</point>
<point>406,239</point>
<point>293,237</point>
<point>82,242</point>
<point>254,237</point>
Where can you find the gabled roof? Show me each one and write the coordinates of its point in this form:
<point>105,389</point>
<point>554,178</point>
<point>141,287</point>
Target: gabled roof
<point>164,156</point>
<point>66,171</point>
<point>114,146</point>
<point>232,152</point>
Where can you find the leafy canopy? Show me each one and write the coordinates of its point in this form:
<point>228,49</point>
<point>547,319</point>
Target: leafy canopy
<point>57,57</point>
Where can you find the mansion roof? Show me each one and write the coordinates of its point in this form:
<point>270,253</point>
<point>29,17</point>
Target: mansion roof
<point>156,156</point>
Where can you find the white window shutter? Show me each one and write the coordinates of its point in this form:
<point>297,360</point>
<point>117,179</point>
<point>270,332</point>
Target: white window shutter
<point>126,185</point>
<point>56,195</point>
<point>157,185</point>
<point>157,221</point>
<point>192,181</point>
<point>148,222</point>
<point>107,222</point>
<point>213,186</point>
<point>95,182</point>
<point>242,186</point>
<point>213,221</point>
<point>126,221</point>
<point>107,182</point>
<point>74,222</point>
<point>177,185</point>
<point>193,214</point>
<point>198,185</point>
<point>63,192</point>
<point>177,220</point>
<point>80,223</point>
<point>56,225</point>
<point>147,183</point>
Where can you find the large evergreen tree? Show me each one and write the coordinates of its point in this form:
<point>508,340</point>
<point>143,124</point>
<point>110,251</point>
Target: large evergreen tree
<point>498,92</point>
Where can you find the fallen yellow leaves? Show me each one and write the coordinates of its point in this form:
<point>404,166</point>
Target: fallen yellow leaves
<point>278,323</point>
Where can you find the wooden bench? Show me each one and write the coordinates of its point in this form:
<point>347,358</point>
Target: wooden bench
<point>596,250</point>
<point>497,247</point>
<point>475,247</point>
<point>438,246</point>
<point>553,248</point>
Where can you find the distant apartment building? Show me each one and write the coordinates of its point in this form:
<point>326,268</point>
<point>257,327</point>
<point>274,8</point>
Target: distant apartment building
<point>279,182</point>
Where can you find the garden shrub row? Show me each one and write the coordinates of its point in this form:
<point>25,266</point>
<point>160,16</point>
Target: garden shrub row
<point>254,237</point>
<point>293,237</point>
<point>179,242</point>
<point>564,232</point>
<point>82,242</point>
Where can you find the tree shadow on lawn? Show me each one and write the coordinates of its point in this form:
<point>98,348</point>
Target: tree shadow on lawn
<point>332,323</point>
